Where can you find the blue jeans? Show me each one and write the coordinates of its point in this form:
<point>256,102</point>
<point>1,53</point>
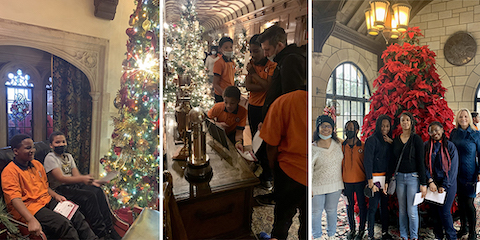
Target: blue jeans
<point>329,202</point>
<point>444,216</point>
<point>407,186</point>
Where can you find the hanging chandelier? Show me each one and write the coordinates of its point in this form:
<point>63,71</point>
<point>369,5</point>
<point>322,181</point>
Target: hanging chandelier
<point>390,21</point>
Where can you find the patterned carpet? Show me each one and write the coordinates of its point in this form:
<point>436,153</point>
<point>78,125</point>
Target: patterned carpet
<point>425,231</point>
<point>262,220</point>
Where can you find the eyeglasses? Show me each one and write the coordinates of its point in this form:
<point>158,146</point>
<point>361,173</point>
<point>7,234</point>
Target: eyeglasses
<point>327,126</point>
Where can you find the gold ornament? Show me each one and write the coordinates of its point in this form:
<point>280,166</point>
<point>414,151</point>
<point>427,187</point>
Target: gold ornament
<point>116,101</point>
<point>132,21</point>
<point>146,24</point>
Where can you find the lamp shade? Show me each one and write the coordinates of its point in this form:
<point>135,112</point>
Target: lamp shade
<point>380,11</point>
<point>391,27</point>
<point>401,13</point>
<point>369,21</point>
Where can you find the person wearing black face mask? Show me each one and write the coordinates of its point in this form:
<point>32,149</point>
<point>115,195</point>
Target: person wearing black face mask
<point>64,178</point>
<point>354,179</point>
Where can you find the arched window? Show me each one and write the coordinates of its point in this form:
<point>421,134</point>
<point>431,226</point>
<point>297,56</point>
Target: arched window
<point>348,91</point>
<point>477,100</point>
<point>49,107</point>
<point>19,104</point>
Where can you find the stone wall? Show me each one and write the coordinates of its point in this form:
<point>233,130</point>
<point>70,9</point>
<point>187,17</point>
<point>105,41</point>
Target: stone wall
<point>438,21</point>
<point>334,53</point>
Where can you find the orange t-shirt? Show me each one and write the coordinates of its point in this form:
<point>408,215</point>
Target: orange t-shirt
<point>285,126</point>
<point>353,170</point>
<point>30,185</point>
<point>226,71</point>
<point>235,120</point>
<point>258,98</point>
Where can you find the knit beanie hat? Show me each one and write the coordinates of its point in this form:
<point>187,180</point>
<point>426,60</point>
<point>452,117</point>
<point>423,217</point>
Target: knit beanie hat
<point>324,118</point>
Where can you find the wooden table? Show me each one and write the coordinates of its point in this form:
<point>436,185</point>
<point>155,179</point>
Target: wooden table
<point>220,208</point>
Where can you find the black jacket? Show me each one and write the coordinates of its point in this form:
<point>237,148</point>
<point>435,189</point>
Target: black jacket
<point>376,156</point>
<point>290,74</point>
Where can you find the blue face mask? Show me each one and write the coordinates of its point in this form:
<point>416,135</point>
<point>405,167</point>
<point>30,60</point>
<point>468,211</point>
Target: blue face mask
<point>324,137</point>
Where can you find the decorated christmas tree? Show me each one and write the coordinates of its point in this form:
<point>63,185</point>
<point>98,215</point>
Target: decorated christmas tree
<point>408,82</point>
<point>134,152</point>
<point>184,55</point>
<point>240,48</point>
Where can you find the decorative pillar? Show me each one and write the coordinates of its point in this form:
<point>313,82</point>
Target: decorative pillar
<point>95,136</point>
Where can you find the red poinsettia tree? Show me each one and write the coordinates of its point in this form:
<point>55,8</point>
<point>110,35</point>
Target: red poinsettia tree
<point>408,82</point>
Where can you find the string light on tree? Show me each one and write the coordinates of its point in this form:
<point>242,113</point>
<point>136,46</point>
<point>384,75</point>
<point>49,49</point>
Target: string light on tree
<point>134,151</point>
<point>185,51</point>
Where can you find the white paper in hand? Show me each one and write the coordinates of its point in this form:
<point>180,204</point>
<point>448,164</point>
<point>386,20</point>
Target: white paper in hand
<point>418,199</point>
<point>256,142</point>
<point>435,196</point>
<point>380,179</point>
<point>248,155</point>
<point>110,175</point>
<point>478,187</point>
<point>66,208</point>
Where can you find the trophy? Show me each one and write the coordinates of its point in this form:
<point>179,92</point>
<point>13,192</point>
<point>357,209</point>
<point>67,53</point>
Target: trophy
<point>198,165</point>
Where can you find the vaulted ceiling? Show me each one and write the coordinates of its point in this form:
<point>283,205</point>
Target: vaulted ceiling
<point>349,15</point>
<point>214,13</point>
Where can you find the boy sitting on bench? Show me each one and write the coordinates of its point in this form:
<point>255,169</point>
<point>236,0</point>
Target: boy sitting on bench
<point>30,199</point>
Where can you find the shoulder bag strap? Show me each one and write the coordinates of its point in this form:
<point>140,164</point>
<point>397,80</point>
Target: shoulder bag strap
<point>401,155</point>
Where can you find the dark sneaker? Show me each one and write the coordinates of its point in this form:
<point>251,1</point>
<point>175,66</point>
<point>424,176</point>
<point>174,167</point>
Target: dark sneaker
<point>265,200</point>
<point>462,232</point>
<point>351,235</point>
<point>263,235</point>
<point>360,235</point>
<point>386,236</point>
<point>267,185</point>
<point>472,236</point>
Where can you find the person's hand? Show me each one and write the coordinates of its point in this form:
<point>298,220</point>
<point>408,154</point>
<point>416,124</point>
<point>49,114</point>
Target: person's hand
<point>98,183</point>
<point>370,183</point>
<point>60,198</point>
<point>385,189</point>
<point>250,68</point>
<point>239,146</point>
<point>87,179</point>
<point>222,125</point>
<point>432,186</point>
<point>478,177</point>
<point>423,190</point>
<point>260,126</point>
<point>35,227</point>
<point>375,189</point>
<point>387,139</point>
<point>441,190</point>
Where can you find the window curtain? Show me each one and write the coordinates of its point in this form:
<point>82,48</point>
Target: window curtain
<point>72,110</point>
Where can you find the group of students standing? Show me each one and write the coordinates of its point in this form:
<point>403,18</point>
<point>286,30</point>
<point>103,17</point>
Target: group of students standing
<point>438,165</point>
<point>277,108</point>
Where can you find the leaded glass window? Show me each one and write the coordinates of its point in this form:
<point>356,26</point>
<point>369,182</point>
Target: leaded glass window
<point>49,108</point>
<point>348,91</point>
<point>19,104</point>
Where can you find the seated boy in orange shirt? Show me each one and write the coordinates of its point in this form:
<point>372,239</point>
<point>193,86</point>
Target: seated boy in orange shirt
<point>29,198</point>
<point>230,116</point>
